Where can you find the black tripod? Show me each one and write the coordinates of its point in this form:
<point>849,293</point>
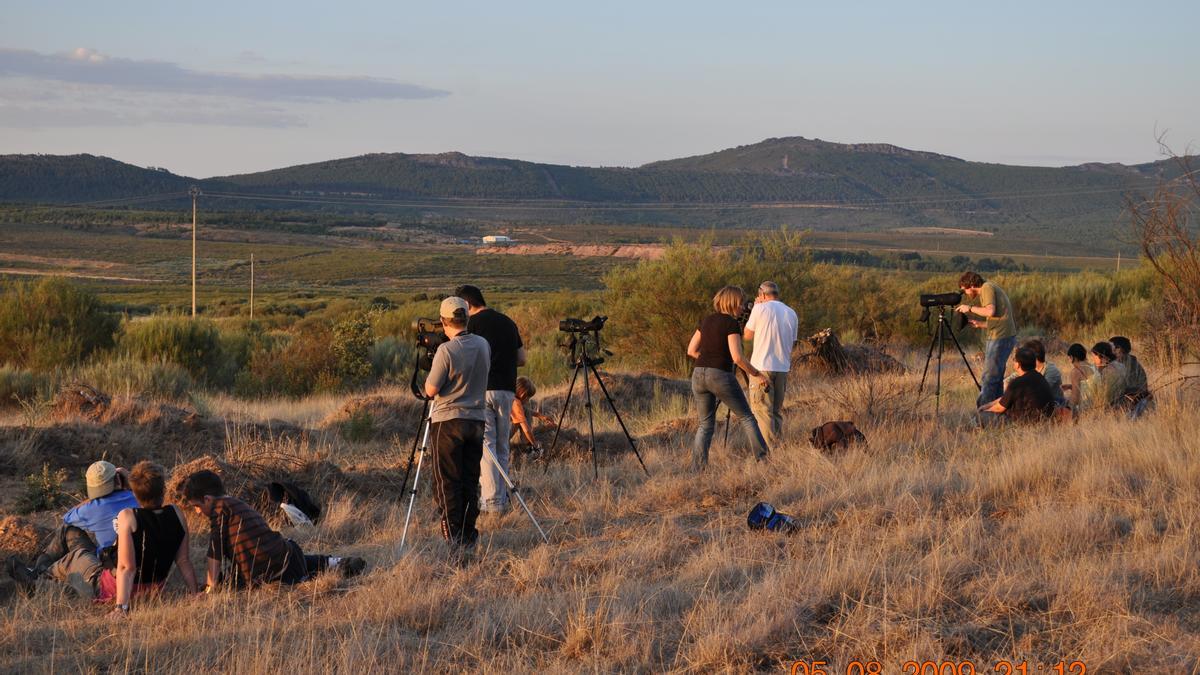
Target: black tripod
<point>585,363</point>
<point>939,340</point>
<point>421,444</point>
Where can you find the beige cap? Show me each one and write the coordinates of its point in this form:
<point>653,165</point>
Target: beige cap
<point>454,307</point>
<point>100,479</point>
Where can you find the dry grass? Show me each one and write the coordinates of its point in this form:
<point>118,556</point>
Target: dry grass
<point>935,541</point>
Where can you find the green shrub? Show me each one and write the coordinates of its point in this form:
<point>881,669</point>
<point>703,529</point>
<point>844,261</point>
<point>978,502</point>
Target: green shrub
<point>391,358</point>
<point>18,384</point>
<point>45,491</point>
<point>194,344</point>
<point>129,376</point>
<point>295,365</point>
<point>352,343</point>
<point>52,323</point>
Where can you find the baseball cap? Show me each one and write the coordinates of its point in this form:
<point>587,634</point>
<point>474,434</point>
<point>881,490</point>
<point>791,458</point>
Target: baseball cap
<point>454,308</point>
<point>100,479</point>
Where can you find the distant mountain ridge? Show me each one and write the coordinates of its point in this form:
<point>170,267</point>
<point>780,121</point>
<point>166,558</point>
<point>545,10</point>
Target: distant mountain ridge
<point>791,170</point>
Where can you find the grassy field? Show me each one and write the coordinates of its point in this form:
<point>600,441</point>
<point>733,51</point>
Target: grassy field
<point>934,542</point>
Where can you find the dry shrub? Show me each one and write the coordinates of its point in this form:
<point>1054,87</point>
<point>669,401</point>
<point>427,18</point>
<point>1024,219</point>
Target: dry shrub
<point>875,399</point>
<point>826,354</point>
<point>386,416</point>
<point>20,536</point>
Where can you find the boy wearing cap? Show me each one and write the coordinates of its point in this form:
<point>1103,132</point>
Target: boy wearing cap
<point>73,553</point>
<point>457,383</point>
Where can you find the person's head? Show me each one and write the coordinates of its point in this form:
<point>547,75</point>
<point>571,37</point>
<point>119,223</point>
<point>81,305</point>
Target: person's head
<point>148,484</point>
<point>202,488</point>
<point>970,283</point>
<point>102,480</point>
<point>1026,360</point>
<point>767,291</point>
<point>729,300</point>
<point>454,312</point>
<point>1039,349</point>
<point>525,388</point>
<point>1102,354</point>
<point>472,295</point>
<point>1077,353</point>
<point>1121,345</point>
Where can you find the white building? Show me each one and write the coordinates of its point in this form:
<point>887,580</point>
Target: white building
<point>496,240</point>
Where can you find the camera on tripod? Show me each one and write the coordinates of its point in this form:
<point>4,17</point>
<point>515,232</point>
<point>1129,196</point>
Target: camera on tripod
<point>942,301</point>
<point>582,342</point>
<point>939,333</point>
<point>429,335</point>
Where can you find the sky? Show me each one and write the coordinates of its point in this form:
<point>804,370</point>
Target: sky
<point>219,88</point>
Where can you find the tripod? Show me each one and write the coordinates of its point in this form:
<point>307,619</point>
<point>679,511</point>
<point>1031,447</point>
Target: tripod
<point>587,364</point>
<point>939,340</point>
<point>421,445</point>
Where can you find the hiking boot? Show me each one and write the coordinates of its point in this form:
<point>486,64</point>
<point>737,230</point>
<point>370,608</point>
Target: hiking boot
<point>352,566</point>
<point>22,575</point>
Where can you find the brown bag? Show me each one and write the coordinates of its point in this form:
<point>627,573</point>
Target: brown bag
<point>831,434</point>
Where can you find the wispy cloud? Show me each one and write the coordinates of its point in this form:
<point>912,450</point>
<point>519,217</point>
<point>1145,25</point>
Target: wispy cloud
<point>87,66</point>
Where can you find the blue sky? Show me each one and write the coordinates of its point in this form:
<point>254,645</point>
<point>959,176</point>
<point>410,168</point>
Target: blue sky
<point>221,87</point>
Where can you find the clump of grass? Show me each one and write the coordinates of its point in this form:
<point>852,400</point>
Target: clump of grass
<point>45,491</point>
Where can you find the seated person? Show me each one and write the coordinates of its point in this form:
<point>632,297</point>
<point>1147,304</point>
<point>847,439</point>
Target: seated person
<point>1047,369</point>
<point>1078,375</point>
<point>1137,391</point>
<point>1107,389</point>
<point>1028,397</point>
<point>257,553</point>
<point>73,552</point>
<point>521,411</point>
<point>149,539</point>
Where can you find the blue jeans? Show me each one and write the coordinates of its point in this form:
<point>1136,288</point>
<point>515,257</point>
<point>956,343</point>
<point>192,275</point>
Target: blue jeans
<point>710,385</point>
<point>995,357</point>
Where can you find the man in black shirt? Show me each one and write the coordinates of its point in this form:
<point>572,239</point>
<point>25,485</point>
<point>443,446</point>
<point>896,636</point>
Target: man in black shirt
<point>1027,399</point>
<point>508,352</point>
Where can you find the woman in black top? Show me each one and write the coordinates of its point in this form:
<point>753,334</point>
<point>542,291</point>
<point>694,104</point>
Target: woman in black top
<point>150,539</point>
<point>717,347</point>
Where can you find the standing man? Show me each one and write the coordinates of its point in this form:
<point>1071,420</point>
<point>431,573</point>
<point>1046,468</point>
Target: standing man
<point>772,326</point>
<point>508,352</point>
<point>457,383</point>
<point>993,315</point>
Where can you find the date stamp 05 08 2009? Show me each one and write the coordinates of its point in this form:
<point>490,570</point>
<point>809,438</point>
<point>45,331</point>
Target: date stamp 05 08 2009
<point>942,668</point>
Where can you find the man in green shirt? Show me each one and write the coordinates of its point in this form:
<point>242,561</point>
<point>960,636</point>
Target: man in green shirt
<point>994,315</point>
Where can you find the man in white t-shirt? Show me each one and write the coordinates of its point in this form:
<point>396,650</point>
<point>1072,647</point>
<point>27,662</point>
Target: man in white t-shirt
<point>772,326</point>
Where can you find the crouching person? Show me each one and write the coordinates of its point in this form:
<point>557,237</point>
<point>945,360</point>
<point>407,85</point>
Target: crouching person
<point>72,554</point>
<point>150,538</point>
<point>256,553</point>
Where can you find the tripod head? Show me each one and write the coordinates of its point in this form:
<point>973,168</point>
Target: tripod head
<point>581,344</point>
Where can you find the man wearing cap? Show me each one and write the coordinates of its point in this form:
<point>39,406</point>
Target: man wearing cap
<point>508,353</point>
<point>457,383</point>
<point>73,553</point>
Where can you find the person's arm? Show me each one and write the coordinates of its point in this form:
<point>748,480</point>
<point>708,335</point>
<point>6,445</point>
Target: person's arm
<point>438,373</point>
<point>213,574</point>
<point>735,350</point>
<point>527,432</point>
<point>521,356</point>
<point>993,407</point>
<point>693,348</point>
<point>752,322</point>
<point>126,562</point>
<point>183,558</point>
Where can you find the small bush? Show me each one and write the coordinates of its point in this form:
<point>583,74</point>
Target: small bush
<point>194,344</point>
<point>18,384</point>
<point>352,343</point>
<point>45,491</point>
<point>51,323</point>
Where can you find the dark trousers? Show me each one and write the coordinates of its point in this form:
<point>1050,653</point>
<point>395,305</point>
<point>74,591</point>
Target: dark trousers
<point>457,451</point>
<point>64,540</point>
<point>309,567</point>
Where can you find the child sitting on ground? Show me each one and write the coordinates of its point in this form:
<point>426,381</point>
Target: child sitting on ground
<point>521,411</point>
<point>240,535</point>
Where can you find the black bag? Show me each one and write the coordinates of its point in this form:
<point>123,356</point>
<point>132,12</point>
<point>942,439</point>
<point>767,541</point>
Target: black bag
<point>284,492</point>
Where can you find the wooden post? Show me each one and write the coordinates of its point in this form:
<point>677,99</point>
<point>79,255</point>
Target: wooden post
<point>194,192</point>
<point>251,286</point>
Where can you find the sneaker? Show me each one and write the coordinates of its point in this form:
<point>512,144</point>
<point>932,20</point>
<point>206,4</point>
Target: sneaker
<point>352,566</point>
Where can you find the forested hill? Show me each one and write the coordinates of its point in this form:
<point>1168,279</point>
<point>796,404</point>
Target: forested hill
<point>59,179</point>
<point>778,170</point>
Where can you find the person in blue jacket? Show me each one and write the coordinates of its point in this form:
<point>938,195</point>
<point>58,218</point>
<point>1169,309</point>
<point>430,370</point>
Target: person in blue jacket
<point>74,551</point>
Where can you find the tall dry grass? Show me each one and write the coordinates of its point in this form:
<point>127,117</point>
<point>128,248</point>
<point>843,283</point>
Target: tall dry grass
<point>934,541</point>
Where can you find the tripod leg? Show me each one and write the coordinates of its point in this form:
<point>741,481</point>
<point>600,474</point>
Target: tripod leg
<point>941,343</point>
<point>412,494</point>
<point>928,357</point>
<point>617,414</point>
<point>566,405</point>
<point>512,487</point>
<point>966,362</point>
<point>587,390</point>
<point>412,454</point>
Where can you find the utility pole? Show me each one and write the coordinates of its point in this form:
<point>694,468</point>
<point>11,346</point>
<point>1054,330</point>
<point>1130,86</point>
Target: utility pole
<point>251,286</point>
<point>1118,260</point>
<point>194,192</point>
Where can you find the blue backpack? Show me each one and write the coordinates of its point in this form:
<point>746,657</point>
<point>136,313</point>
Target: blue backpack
<point>764,517</point>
